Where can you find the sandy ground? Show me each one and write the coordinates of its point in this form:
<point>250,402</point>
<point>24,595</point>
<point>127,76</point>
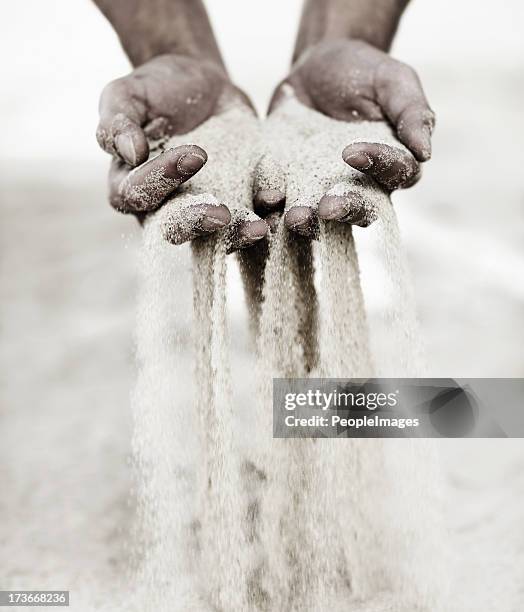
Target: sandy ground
<point>67,278</point>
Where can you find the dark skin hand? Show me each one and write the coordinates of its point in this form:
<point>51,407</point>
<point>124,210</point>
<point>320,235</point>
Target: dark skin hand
<point>168,94</point>
<point>353,80</point>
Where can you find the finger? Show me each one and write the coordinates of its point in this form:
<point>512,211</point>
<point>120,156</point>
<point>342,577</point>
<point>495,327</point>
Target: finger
<point>145,188</point>
<point>269,187</point>
<point>348,207</point>
<point>245,230</point>
<point>190,220</point>
<point>119,130</point>
<point>302,220</point>
<point>402,98</point>
<point>390,166</point>
<point>124,139</point>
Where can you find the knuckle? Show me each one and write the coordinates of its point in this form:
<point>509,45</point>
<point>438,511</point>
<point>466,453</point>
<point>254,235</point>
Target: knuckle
<point>106,141</point>
<point>389,70</point>
<point>120,123</point>
<point>408,71</point>
<point>114,88</point>
<point>430,118</point>
<point>416,112</point>
<point>101,137</point>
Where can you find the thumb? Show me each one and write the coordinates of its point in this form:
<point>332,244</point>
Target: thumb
<point>402,98</point>
<point>119,131</point>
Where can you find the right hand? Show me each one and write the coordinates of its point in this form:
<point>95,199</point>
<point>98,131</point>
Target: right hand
<point>170,94</point>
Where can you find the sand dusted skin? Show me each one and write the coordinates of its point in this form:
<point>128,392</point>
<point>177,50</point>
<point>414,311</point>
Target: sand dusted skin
<point>400,317</point>
<point>278,525</point>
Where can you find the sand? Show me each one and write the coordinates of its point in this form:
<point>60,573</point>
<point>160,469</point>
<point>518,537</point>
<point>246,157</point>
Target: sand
<point>189,493</point>
<point>274,524</point>
<point>294,133</point>
<point>68,312</point>
<point>165,455</point>
<point>191,524</point>
<point>339,551</point>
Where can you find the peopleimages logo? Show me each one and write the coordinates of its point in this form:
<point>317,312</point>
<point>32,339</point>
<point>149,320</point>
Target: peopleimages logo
<point>398,407</point>
<point>340,399</point>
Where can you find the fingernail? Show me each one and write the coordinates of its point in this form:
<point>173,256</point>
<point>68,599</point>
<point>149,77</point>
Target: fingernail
<point>298,216</point>
<point>359,160</point>
<point>250,232</point>
<point>126,148</point>
<point>269,199</point>
<point>190,163</point>
<point>333,208</point>
<point>254,230</point>
<point>302,220</point>
<point>215,218</point>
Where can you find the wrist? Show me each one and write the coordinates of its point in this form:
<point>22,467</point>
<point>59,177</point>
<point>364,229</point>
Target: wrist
<point>372,21</point>
<point>143,49</point>
<point>149,28</point>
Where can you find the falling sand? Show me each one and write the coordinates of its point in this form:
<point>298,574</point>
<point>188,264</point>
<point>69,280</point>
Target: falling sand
<point>299,525</point>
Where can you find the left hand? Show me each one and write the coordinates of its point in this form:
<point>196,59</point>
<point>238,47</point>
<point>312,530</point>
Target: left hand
<point>350,80</point>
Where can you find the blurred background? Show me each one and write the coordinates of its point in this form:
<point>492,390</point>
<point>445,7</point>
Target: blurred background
<point>67,271</point>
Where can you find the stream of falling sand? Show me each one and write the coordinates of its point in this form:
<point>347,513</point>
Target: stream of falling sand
<point>165,447</point>
<point>191,521</point>
<point>298,525</point>
<point>286,348</point>
<point>326,506</point>
<point>365,482</point>
<point>400,314</point>
<point>194,555</point>
<point>320,535</point>
<point>220,531</point>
